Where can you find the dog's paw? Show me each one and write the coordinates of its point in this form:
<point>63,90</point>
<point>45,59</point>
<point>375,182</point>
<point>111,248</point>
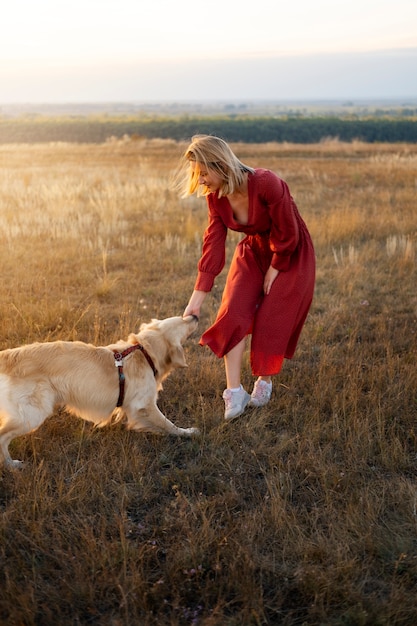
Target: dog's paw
<point>14,464</point>
<point>188,432</point>
<point>192,432</point>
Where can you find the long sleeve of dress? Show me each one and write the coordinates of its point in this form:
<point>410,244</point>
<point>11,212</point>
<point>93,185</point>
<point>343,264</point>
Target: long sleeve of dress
<point>284,229</point>
<point>213,255</point>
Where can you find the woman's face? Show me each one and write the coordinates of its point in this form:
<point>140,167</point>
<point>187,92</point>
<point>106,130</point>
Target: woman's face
<point>207,177</point>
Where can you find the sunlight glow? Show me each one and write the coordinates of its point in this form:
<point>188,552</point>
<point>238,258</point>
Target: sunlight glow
<point>43,43</point>
<point>108,30</point>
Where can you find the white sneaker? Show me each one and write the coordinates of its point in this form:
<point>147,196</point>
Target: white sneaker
<point>235,402</point>
<point>261,393</point>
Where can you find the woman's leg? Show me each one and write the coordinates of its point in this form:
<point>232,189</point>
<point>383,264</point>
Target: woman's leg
<point>235,396</point>
<point>233,365</point>
<point>266,379</point>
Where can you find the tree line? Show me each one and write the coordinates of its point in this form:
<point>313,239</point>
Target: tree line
<point>232,128</point>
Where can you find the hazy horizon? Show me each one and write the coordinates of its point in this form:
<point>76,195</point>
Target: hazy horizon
<point>100,51</point>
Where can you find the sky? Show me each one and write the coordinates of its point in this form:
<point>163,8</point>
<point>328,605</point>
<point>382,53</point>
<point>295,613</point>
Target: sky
<point>221,50</point>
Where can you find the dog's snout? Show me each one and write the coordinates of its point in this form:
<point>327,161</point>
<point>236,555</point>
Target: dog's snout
<point>192,316</point>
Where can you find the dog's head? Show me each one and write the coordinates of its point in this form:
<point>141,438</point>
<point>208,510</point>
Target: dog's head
<point>165,339</point>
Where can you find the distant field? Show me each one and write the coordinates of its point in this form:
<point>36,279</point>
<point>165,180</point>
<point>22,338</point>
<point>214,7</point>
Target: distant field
<point>293,125</point>
<point>340,108</point>
<point>303,512</point>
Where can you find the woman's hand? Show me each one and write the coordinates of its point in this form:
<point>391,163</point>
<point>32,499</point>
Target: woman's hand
<point>269,278</point>
<point>194,305</point>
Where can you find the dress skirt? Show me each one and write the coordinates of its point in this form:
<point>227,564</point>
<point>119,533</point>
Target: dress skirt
<point>274,320</point>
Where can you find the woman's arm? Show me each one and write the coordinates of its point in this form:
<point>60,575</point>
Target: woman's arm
<point>284,235</point>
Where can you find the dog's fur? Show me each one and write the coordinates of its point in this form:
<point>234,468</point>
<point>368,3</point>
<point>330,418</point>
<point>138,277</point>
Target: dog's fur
<point>38,378</point>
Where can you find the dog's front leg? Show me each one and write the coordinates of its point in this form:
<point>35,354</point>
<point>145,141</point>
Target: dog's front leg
<point>152,420</point>
<point>5,439</point>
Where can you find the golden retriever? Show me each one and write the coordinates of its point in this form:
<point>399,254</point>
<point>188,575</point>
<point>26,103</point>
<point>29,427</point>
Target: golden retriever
<point>92,381</point>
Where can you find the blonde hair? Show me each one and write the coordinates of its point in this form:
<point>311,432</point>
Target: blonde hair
<point>214,154</point>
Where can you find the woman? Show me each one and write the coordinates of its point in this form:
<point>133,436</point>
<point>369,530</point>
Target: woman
<point>269,287</point>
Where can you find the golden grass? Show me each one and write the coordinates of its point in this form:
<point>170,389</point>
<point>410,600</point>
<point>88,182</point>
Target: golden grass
<point>304,512</point>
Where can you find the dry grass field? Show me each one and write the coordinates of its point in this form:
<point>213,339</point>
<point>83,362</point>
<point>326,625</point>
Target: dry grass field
<point>300,513</point>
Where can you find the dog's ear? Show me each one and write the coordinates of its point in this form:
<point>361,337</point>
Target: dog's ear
<point>133,339</point>
<point>177,356</point>
<point>152,325</point>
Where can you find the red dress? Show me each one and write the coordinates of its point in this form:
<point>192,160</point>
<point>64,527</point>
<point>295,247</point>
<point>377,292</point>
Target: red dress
<point>275,233</point>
